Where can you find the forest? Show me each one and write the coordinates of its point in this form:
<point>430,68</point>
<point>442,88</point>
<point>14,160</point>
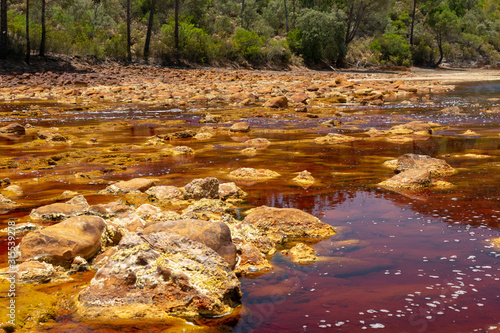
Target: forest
<point>257,33</point>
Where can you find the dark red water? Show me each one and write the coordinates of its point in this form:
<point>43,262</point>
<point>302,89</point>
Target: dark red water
<point>424,263</point>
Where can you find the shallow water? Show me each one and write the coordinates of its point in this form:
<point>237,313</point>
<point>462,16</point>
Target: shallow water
<point>424,263</point>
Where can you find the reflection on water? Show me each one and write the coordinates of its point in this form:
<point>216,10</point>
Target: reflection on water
<point>419,263</point>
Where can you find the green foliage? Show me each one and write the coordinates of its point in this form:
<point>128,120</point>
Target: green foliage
<point>322,34</point>
<point>392,49</point>
<point>249,44</point>
<point>294,39</point>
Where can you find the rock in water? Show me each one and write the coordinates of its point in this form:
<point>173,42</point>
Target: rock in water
<point>62,242</point>
<point>215,235</point>
<point>294,223</point>
<point>202,188</point>
<point>438,168</point>
<point>157,276</point>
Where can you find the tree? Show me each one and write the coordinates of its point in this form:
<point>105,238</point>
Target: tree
<point>176,26</point>
<point>28,48</point>
<point>3,29</point>
<point>413,21</point>
<point>356,13</point>
<point>322,36</point>
<point>42,41</point>
<point>150,28</point>
<point>444,22</point>
<point>286,17</point>
<point>129,39</point>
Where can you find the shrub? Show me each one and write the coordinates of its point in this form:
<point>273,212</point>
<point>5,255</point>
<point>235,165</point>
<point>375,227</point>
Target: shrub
<point>392,49</point>
<point>249,45</point>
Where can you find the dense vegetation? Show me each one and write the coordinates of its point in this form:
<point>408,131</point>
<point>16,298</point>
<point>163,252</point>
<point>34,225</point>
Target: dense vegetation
<point>257,32</point>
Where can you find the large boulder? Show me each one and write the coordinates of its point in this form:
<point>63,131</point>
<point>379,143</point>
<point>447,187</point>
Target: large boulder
<point>157,276</point>
<point>293,223</point>
<point>13,129</point>
<point>202,188</point>
<point>413,179</point>
<point>62,242</point>
<point>277,102</point>
<point>215,235</point>
<point>437,168</point>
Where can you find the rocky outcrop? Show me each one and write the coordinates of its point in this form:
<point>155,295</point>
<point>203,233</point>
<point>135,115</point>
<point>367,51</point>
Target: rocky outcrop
<point>291,222</point>
<point>334,138</point>
<point>229,191</point>
<point>13,129</point>
<point>62,242</point>
<point>160,275</point>
<point>414,127</point>
<point>301,254</point>
<point>6,204</point>
<point>202,188</point>
<point>438,168</point>
<point>253,174</point>
<point>304,178</point>
<point>280,102</point>
<point>416,172</point>
<point>215,235</point>
<point>133,185</point>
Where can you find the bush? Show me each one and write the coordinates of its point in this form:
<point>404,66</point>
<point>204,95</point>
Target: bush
<point>323,36</point>
<point>294,39</point>
<point>392,49</point>
<point>249,45</point>
<point>278,52</point>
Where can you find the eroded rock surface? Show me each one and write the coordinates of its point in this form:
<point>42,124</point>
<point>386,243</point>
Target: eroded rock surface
<point>215,235</point>
<point>291,222</point>
<point>62,242</point>
<point>159,275</point>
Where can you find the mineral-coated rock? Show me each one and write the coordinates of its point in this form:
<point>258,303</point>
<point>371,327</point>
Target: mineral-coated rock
<point>160,275</point>
<point>294,223</point>
<point>177,151</point>
<point>111,209</point>
<point>165,193</point>
<point>62,242</point>
<point>206,209</point>
<point>437,168</point>
<point>137,184</point>
<point>253,174</point>
<point>215,235</point>
<point>414,127</point>
<point>334,138</point>
<point>231,191</point>
<point>302,254</point>
<point>242,127</point>
<point>57,211</point>
<point>13,129</point>
<point>35,272</point>
<point>202,188</point>
<point>259,143</point>
<point>252,261</point>
<point>304,178</point>
<point>412,179</point>
<point>277,102</point>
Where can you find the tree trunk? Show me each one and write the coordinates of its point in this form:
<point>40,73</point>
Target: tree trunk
<point>28,48</point>
<point>42,42</point>
<point>441,56</point>
<point>150,28</point>
<point>242,12</point>
<point>412,21</point>
<point>3,29</point>
<point>286,17</point>
<point>176,26</point>
<point>129,39</point>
